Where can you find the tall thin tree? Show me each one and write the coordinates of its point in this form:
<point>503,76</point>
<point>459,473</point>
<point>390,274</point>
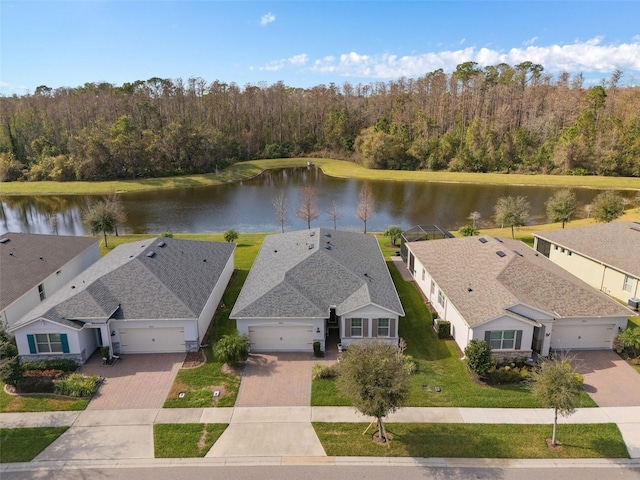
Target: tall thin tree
<point>308,204</point>
<point>366,205</point>
<point>280,204</point>
<point>334,213</point>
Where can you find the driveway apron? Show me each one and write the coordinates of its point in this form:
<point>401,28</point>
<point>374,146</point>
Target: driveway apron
<point>608,379</point>
<point>134,381</point>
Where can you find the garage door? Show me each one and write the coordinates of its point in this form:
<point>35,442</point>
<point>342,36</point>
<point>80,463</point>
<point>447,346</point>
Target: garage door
<point>582,337</point>
<point>281,338</point>
<point>152,340</point>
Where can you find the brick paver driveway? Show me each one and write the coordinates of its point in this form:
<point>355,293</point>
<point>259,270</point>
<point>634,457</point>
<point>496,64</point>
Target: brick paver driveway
<point>135,381</point>
<point>608,379</point>
<point>277,380</point>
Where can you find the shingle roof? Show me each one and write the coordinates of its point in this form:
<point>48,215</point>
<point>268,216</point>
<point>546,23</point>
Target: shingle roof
<point>482,284</point>
<point>616,244</point>
<point>129,283</point>
<point>305,273</point>
<point>27,259</point>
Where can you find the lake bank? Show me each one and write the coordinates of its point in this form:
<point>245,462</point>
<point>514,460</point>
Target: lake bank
<point>336,168</point>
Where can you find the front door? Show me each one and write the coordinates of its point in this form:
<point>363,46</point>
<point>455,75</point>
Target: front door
<point>538,339</point>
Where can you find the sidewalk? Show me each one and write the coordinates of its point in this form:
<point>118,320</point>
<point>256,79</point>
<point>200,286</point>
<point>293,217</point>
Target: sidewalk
<point>98,434</point>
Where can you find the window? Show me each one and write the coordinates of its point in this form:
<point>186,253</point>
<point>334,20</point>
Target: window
<point>433,287</point>
<point>48,342</point>
<point>628,283</point>
<point>383,327</point>
<point>502,339</point>
<point>41,292</point>
<point>423,274</point>
<point>440,297</point>
<point>356,327</point>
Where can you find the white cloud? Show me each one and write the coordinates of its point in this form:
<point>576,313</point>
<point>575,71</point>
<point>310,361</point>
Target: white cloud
<point>590,56</point>
<point>267,19</point>
<point>294,61</point>
<point>10,89</point>
<point>531,41</point>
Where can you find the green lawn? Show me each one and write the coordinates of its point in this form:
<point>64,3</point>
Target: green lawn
<point>23,403</point>
<point>23,444</point>
<point>337,168</point>
<point>473,440</point>
<point>185,440</point>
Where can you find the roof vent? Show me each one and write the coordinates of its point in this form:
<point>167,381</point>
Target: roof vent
<point>482,240</point>
<point>204,260</point>
<point>5,240</point>
<point>161,244</point>
<point>313,233</point>
<point>41,258</point>
<point>311,245</point>
<point>499,240</point>
<point>328,235</point>
<point>518,253</point>
<point>151,254</point>
<point>500,253</point>
<point>328,247</point>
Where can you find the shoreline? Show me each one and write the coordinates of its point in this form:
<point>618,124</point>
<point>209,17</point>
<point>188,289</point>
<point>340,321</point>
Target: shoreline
<point>243,171</point>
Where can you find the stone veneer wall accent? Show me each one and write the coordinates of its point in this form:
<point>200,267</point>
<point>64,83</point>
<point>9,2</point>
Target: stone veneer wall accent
<point>76,357</point>
<point>191,346</point>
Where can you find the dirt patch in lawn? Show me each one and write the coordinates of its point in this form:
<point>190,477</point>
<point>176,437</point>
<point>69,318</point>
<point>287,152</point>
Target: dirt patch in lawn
<point>222,391</point>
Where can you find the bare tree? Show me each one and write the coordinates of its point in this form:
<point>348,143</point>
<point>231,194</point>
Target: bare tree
<point>280,204</point>
<point>335,213</point>
<point>366,205</point>
<point>308,206</point>
<point>474,217</point>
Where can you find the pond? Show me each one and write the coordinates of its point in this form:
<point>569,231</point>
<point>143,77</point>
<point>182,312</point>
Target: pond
<point>247,206</point>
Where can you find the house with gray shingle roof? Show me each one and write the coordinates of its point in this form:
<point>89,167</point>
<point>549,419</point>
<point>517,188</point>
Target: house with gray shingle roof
<point>606,255</point>
<point>151,296</point>
<point>309,284</point>
<point>511,296</point>
<point>33,267</point>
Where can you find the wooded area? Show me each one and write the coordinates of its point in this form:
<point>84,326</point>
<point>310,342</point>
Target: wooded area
<point>500,118</point>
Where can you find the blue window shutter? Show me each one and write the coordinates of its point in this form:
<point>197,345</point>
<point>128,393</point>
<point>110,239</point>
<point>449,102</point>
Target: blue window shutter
<point>65,343</point>
<point>392,328</point>
<point>487,337</point>
<point>347,327</point>
<point>365,327</point>
<point>32,344</point>
<point>374,327</point>
<point>518,339</point>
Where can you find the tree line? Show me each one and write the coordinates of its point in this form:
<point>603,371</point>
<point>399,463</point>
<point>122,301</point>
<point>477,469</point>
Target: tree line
<point>499,118</point>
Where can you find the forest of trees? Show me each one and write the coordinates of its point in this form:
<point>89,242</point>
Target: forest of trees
<point>500,118</point>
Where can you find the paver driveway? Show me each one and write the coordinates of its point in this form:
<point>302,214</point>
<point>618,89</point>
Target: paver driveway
<point>608,379</point>
<point>135,381</point>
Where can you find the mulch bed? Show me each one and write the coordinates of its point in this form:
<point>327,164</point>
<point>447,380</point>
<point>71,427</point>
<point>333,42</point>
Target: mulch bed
<point>194,359</point>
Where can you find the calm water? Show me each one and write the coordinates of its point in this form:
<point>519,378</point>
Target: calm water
<point>248,206</point>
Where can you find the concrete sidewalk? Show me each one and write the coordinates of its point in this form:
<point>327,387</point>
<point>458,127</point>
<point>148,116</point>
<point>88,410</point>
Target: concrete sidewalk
<point>270,431</point>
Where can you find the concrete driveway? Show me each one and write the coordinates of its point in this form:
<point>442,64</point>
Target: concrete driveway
<point>134,381</point>
<point>608,379</point>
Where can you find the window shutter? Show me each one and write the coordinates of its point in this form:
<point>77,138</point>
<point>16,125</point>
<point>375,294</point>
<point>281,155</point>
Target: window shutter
<point>518,339</point>
<point>365,325</point>
<point>392,327</point>
<point>65,343</point>
<point>487,337</point>
<point>32,344</point>
<point>374,327</point>
<point>347,327</point>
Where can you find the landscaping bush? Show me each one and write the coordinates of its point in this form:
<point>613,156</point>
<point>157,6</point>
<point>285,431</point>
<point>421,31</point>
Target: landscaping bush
<point>32,384</point>
<point>410,365</point>
<point>322,371</point>
<point>478,355</point>
<point>65,365</point>
<point>232,349</point>
<point>444,329</point>
<point>77,385</point>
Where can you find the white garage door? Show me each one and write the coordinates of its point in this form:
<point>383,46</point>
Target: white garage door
<point>152,340</point>
<point>281,338</point>
<point>582,337</point>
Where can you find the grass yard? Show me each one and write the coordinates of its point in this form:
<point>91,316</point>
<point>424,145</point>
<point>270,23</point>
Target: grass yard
<point>337,168</point>
<point>24,444</point>
<point>185,440</point>
<point>24,403</point>
<point>473,440</point>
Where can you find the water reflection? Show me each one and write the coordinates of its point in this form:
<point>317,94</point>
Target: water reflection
<point>248,206</point>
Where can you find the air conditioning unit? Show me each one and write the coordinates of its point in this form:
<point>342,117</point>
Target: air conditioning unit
<point>633,303</point>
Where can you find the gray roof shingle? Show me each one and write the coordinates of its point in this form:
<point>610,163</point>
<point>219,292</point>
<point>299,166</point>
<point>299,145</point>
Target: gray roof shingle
<point>305,273</point>
<point>483,285</point>
<point>616,244</point>
<point>27,259</point>
<point>128,284</point>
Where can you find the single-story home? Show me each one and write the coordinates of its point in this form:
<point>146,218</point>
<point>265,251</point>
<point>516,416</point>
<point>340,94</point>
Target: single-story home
<point>151,296</point>
<point>309,284</point>
<point>511,296</point>
<point>606,256</point>
<point>33,267</point>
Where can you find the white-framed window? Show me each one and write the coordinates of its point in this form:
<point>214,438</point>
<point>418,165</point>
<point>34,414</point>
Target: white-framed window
<point>356,327</point>
<point>502,339</point>
<point>423,274</point>
<point>48,343</point>
<point>383,327</point>
<point>628,283</point>
<point>433,287</point>
<point>41,292</point>
<point>440,297</point>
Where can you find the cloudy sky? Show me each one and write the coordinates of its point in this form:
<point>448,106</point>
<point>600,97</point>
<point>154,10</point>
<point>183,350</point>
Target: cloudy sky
<point>306,43</point>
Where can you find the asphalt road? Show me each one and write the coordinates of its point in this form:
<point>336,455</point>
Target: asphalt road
<point>332,472</point>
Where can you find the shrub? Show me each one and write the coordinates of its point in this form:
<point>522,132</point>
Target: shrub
<point>167,234</point>
<point>232,349</point>
<point>77,385</point>
<point>478,355</point>
<point>66,365</point>
<point>410,365</point>
<point>444,329</point>
<point>40,384</point>
<point>322,371</point>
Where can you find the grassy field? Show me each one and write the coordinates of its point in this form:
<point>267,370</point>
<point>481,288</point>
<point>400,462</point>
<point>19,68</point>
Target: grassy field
<point>23,403</point>
<point>23,444</point>
<point>185,440</point>
<point>336,168</point>
<point>473,441</point>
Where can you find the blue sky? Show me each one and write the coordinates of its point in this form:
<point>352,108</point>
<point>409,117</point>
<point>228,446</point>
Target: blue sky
<point>306,43</point>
